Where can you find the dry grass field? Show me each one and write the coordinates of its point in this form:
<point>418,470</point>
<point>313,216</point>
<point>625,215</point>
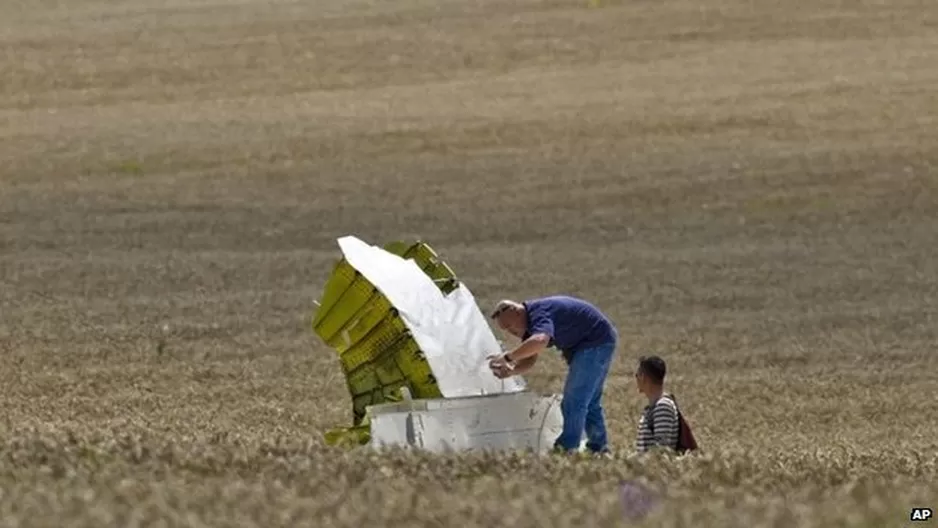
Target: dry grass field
<point>748,187</point>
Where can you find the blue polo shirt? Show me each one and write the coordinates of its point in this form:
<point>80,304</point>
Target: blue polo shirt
<point>572,324</point>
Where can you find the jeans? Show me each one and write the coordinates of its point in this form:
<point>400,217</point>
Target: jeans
<point>581,406</point>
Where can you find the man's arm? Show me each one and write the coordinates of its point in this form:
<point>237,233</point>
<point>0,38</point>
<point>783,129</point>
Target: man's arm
<point>542,331</point>
<point>502,370</point>
<point>524,365</point>
<point>530,348</point>
<point>524,356</point>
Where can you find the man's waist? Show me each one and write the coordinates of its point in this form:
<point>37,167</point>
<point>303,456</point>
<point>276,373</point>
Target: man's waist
<point>568,352</point>
<point>593,341</point>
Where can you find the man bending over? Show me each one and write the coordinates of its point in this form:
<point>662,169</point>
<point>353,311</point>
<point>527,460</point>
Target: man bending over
<point>588,341</point>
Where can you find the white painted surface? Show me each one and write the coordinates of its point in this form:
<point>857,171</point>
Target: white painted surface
<point>450,329</point>
<point>518,421</point>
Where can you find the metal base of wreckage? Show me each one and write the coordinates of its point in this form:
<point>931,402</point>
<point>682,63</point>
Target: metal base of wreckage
<point>523,421</point>
<point>397,399</point>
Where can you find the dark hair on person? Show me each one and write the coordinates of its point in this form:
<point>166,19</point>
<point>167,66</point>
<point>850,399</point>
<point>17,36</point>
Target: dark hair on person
<point>654,367</point>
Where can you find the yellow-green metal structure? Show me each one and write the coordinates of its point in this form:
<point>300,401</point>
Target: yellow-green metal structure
<point>376,351</point>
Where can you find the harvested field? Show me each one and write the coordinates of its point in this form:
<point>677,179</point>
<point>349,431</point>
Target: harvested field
<point>747,188</point>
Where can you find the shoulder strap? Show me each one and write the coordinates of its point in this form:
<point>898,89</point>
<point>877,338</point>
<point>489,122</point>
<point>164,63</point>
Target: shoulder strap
<point>680,419</point>
<point>676,406</point>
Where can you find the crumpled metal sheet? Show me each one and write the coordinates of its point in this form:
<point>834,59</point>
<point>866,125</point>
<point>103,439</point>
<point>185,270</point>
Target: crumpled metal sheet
<point>398,318</point>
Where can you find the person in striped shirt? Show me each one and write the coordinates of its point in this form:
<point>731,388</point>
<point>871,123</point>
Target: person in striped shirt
<point>658,426</point>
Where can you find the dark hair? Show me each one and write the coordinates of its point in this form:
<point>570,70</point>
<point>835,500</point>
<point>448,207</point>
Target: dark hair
<point>654,367</point>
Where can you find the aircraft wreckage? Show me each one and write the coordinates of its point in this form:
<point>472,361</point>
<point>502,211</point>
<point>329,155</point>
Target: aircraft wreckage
<point>412,344</point>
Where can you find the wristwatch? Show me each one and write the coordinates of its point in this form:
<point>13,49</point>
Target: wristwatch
<point>508,361</point>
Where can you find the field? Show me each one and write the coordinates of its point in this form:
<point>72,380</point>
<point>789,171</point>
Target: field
<point>747,187</point>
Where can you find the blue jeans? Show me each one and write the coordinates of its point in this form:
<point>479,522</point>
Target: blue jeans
<point>581,406</point>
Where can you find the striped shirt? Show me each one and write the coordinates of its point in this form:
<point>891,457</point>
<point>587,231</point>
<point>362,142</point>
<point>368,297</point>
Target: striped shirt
<point>663,414</point>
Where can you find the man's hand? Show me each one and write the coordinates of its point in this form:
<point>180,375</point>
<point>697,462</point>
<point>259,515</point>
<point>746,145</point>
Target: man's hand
<point>500,366</point>
<point>503,372</point>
